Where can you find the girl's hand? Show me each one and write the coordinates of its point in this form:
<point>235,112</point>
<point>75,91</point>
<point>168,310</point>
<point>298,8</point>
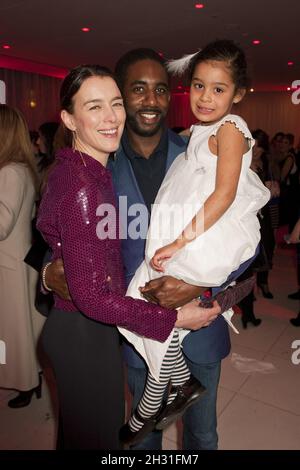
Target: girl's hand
<point>163,254</point>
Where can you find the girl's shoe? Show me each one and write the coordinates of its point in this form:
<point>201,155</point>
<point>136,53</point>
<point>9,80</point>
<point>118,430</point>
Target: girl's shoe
<point>129,437</point>
<point>187,395</point>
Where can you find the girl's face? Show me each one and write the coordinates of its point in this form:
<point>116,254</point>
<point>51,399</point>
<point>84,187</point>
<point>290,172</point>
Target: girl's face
<point>98,118</point>
<point>213,91</point>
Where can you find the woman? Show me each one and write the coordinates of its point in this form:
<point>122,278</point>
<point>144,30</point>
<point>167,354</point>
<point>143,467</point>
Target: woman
<point>263,262</point>
<point>85,353</point>
<point>46,135</point>
<point>20,324</point>
<point>261,165</point>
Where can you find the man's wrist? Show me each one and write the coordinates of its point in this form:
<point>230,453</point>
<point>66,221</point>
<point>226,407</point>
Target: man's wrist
<point>43,275</point>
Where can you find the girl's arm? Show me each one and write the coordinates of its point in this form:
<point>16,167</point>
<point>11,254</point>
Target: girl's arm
<point>231,145</point>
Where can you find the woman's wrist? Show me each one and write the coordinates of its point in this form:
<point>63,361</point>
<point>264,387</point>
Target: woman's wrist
<point>43,275</point>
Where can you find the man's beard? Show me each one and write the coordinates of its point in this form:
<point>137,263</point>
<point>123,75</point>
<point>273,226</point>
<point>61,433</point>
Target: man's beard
<point>133,124</point>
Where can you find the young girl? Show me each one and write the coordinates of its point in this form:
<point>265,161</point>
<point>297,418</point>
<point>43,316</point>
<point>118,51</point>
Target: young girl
<point>204,221</point>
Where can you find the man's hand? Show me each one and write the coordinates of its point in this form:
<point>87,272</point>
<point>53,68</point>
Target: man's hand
<point>170,292</point>
<point>55,279</point>
<point>193,317</point>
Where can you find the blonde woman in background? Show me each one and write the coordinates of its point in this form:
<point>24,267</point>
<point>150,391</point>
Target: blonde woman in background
<point>20,323</point>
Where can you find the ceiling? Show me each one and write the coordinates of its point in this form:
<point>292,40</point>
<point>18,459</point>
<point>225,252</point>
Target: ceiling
<point>49,32</point>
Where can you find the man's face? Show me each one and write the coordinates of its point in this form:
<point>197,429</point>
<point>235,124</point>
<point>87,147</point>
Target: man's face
<point>146,97</point>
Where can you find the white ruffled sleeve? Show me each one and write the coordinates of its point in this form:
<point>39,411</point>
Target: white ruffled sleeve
<point>239,123</point>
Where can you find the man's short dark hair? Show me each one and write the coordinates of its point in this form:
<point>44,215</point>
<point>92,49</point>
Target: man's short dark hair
<point>133,56</point>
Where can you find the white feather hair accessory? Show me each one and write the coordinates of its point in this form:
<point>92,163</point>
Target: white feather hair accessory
<point>179,66</point>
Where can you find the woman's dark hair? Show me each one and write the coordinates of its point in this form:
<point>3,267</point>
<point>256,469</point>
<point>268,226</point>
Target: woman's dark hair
<point>47,130</point>
<point>227,51</point>
<point>133,56</point>
<point>75,79</point>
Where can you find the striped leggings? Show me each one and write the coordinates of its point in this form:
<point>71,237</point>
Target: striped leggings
<point>173,368</point>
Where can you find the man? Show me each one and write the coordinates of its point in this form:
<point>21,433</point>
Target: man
<point>147,150</point>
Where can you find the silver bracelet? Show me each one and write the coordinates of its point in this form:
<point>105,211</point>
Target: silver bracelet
<point>44,276</point>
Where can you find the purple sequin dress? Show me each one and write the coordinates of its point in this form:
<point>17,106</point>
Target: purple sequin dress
<point>77,187</point>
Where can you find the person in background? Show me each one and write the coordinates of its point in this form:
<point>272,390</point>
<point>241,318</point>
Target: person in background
<point>263,262</point>
<point>289,184</point>
<point>46,132</point>
<point>20,323</point>
<point>261,165</point>
<point>274,170</point>
<point>294,237</point>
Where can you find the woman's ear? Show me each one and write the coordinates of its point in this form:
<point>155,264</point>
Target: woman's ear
<point>239,95</point>
<point>68,120</point>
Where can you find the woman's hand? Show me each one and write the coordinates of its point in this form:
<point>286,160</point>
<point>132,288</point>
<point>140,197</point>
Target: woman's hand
<point>163,254</point>
<point>193,317</point>
<point>55,279</point>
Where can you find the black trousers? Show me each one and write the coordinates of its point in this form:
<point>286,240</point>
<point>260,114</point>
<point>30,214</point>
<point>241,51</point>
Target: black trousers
<point>86,359</point>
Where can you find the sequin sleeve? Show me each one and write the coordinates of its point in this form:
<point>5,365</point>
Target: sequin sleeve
<point>94,270</point>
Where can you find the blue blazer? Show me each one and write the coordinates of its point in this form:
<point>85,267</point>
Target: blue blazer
<point>207,345</point>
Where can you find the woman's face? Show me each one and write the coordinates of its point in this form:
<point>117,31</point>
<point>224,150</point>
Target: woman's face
<point>98,118</point>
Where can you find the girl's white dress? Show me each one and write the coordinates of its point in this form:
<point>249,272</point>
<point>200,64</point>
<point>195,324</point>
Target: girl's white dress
<point>210,258</point>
